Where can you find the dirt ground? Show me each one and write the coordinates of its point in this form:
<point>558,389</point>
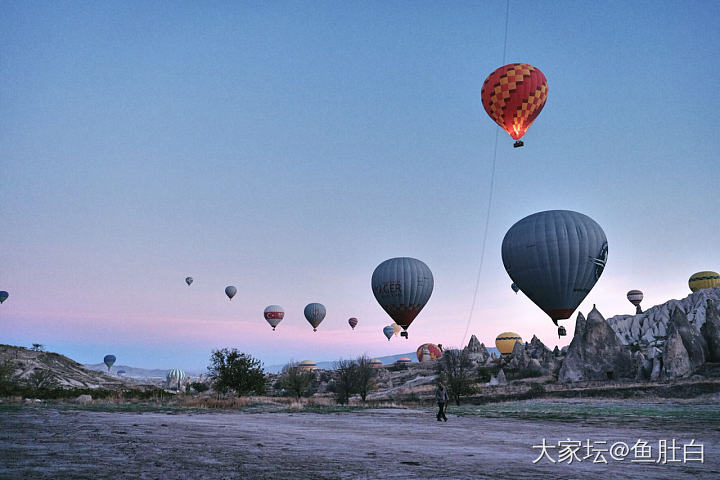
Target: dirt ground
<point>39,442</point>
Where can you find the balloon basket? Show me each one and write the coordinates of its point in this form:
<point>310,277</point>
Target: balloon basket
<point>561,332</point>
<point>404,334</point>
<point>518,143</point>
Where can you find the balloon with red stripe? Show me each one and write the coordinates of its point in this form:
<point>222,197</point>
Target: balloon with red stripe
<point>274,315</point>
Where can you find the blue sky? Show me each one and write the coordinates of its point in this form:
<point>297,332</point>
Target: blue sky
<point>289,148</point>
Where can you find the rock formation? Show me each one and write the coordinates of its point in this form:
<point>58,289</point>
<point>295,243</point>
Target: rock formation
<point>676,359</point>
<point>711,331</point>
<point>596,352</point>
<point>694,343</point>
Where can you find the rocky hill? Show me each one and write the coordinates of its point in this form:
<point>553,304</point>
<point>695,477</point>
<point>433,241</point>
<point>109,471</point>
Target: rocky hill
<point>54,370</point>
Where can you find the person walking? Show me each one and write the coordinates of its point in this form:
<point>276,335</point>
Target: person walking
<point>441,397</point>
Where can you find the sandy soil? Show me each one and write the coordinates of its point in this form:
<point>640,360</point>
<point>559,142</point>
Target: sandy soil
<point>50,442</point>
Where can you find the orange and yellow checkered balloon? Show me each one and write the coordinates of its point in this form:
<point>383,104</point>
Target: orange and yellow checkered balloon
<point>513,96</point>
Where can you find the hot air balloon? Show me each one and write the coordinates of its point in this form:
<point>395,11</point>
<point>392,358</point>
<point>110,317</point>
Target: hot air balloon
<point>396,328</point>
<point>4,296</point>
<point>121,373</point>
<point>513,96</point>
<point>109,360</point>
<point>375,363</point>
<point>274,315</point>
<point>403,361</point>
<point>314,313</point>
<point>176,375</point>
<point>555,257</point>
<point>505,342</point>
<point>701,280</point>
<point>429,349</point>
<point>307,366</point>
<point>402,286</point>
<point>353,322</point>
<point>388,332</point>
<point>188,280</point>
<point>515,288</point>
<point>230,291</point>
<point>635,297</point>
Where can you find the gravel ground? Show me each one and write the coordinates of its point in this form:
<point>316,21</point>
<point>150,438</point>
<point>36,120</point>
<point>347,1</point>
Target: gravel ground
<point>38,442</point>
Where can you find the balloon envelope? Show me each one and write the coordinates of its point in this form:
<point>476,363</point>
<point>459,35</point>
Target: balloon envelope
<point>402,286</point>
<point>230,291</point>
<point>513,96</point>
<point>433,350</point>
<point>175,374</point>
<point>188,280</point>
<point>505,342</point>
<point>396,328</point>
<point>353,322</point>
<point>274,315</point>
<point>388,331</point>
<point>555,257</point>
<point>314,313</point>
<point>515,288</point>
<point>307,366</point>
<point>109,360</point>
<point>635,297</point>
<point>701,280</point>
<point>4,296</point>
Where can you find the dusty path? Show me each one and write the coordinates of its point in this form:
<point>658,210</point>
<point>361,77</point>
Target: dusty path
<point>47,442</point>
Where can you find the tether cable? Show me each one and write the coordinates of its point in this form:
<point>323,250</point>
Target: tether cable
<point>490,196</point>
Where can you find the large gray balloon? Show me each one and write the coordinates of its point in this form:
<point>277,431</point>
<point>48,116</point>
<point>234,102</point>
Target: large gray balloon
<point>555,257</point>
<point>402,286</point>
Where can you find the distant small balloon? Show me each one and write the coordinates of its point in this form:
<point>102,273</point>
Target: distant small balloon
<point>230,291</point>
<point>4,296</point>
<point>109,360</point>
<point>274,315</point>
<point>396,328</point>
<point>388,331</point>
<point>189,280</point>
<point>314,313</point>
<point>515,288</point>
<point>353,322</point>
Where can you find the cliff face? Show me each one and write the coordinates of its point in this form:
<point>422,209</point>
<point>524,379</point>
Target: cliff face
<point>650,328</point>
<point>62,371</point>
<point>667,341</point>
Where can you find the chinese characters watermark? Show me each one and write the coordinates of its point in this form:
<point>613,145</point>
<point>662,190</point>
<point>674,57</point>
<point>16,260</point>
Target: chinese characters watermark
<point>667,452</point>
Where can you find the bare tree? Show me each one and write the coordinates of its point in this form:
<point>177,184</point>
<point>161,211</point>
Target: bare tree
<point>42,379</point>
<point>344,383</point>
<point>295,380</point>
<point>364,376</point>
<point>455,370</point>
<point>37,347</point>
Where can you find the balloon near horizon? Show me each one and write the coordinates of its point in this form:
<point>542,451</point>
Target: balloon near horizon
<point>428,349</point>
<point>307,366</point>
<point>505,342</point>
<point>706,279</point>
<point>109,360</point>
<point>402,286</point>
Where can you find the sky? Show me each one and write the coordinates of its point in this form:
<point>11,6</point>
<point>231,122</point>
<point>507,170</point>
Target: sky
<point>288,148</point>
